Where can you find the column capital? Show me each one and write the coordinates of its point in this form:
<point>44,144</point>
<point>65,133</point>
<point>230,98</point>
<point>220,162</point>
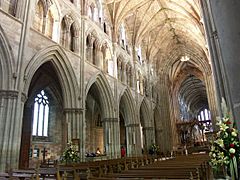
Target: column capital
<point>148,128</point>
<point>73,110</point>
<point>132,125</point>
<point>110,120</point>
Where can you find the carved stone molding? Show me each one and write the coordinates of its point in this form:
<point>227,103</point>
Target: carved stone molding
<point>110,120</point>
<point>73,110</point>
<point>148,128</point>
<point>8,94</point>
<point>132,125</point>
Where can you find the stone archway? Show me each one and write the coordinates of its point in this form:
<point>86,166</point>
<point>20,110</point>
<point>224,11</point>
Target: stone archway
<point>132,128</point>
<point>8,99</point>
<point>50,70</point>
<point>44,129</point>
<point>98,92</point>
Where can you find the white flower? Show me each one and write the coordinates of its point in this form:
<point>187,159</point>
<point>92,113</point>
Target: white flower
<point>232,151</point>
<point>234,134</point>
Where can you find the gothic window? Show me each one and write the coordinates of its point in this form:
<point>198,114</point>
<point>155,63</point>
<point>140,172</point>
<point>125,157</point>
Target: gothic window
<point>50,22</point>
<point>204,118</point>
<point>38,19</point>
<point>41,115</point>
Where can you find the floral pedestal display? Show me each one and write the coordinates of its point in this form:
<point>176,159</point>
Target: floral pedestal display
<point>225,150</point>
<point>70,154</point>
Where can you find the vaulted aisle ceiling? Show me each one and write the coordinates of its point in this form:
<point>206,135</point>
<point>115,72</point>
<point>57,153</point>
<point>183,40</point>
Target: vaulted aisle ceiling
<point>168,30</point>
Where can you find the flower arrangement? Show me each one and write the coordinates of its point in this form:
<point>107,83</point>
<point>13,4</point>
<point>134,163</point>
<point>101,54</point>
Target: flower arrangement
<point>154,149</point>
<point>70,154</point>
<point>225,150</point>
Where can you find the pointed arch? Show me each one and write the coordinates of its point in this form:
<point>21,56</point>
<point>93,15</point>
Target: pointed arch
<point>6,61</point>
<point>144,111</point>
<point>66,75</point>
<point>129,106</point>
<point>106,95</point>
<point>70,32</point>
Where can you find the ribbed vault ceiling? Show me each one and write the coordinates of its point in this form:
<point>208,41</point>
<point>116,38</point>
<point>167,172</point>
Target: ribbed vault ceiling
<point>168,30</point>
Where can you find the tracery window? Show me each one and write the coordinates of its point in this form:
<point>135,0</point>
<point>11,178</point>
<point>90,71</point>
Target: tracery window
<point>40,115</point>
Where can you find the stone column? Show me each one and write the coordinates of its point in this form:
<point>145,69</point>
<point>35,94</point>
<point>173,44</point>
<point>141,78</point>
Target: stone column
<point>133,140</point>
<point>111,137</point>
<point>124,78</point>
<point>75,127</point>
<point>10,128</point>
<point>149,136</point>
<point>119,70</point>
<point>223,31</point>
<point>211,99</point>
<point>159,139</point>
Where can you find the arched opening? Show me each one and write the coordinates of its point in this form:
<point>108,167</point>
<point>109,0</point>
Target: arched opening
<point>94,56</point>
<point>43,129</point>
<point>128,128</point>
<point>94,121</point>
<point>71,43</point>
<point>49,25</point>
<point>123,137</point>
<point>63,35</point>
<point>38,19</point>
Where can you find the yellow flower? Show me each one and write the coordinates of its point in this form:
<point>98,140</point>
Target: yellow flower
<point>220,142</point>
<point>223,127</point>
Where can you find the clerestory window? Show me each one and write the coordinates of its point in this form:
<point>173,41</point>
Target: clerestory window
<point>41,115</point>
